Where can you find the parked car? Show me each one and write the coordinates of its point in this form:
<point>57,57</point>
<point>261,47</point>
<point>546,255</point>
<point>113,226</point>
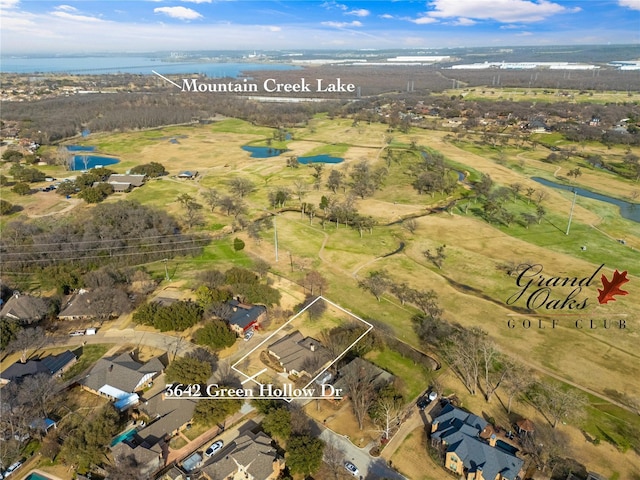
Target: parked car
<point>77,333</point>
<point>432,396</point>
<point>12,468</point>
<point>247,335</point>
<point>214,448</point>
<point>422,403</point>
<point>352,469</point>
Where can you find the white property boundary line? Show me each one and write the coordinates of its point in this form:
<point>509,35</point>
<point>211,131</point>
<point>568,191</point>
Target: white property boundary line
<point>252,377</point>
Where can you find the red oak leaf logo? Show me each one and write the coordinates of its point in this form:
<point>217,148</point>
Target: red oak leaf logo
<point>611,288</point>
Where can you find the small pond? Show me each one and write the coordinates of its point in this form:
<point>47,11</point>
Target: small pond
<point>628,210</point>
<point>263,152</point>
<point>80,148</point>
<point>86,162</point>
<point>320,159</point>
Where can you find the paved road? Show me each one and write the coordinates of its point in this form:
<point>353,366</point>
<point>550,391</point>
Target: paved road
<point>371,468</point>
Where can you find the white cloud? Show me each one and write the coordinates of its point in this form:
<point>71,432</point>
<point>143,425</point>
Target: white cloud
<point>464,22</point>
<point>424,20</point>
<point>632,4</point>
<point>500,10</point>
<point>6,4</point>
<point>180,13</point>
<point>197,1</point>
<point>355,23</point>
<point>387,16</point>
<point>524,34</point>
<point>66,8</point>
<point>359,12</point>
<point>274,28</point>
<point>78,18</point>
<point>333,4</point>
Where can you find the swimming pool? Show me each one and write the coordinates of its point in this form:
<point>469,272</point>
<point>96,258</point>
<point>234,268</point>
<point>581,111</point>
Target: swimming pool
<point>126,435</point>
<point>36,476</point>
<point>505,447</point>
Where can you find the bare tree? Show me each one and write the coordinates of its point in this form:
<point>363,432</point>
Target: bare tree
<point>386,411</point>
<point>361,390</point>
<point>211,197</point>
<point>241,186</point>
<point>558,403</point>
<point>27,339</point>
<point>410,225</point>
<point>436,258</point>
<point>377,283</point>
<point>464,353</point>
<point>334,458</point>
<point>315,282</point>
<point>517,381</point>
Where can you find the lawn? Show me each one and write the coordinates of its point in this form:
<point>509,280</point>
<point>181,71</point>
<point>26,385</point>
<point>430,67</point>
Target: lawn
<point>90,354</point>
<point>415,378</point>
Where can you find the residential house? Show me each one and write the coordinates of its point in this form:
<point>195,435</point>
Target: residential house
<point>462,436</point>
<point>537,125</point>
<point>119,378</point>
<point>253,458</point>
<point>362,369</point>
<point>189,175</point>
<point>246,316</point>
<point>147,460</point>
<point>125,182</point>
<point>52,365</point>
<point>78,307</point>
<point>25,308</point>
<point>299,355</point>
<point>167,417</point>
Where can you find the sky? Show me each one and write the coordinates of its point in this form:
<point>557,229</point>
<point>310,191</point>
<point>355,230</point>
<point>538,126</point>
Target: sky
<point>93,26</point>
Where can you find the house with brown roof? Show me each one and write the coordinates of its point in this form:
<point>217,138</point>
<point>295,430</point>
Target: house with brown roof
<point>253,458</point>
<point>125,182</point>
<point>299,355</point>
<point>364,370</point>
<point>25,308</point>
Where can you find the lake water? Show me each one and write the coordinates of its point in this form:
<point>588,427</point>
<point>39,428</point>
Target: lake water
<point>263,152</point>
<point>80,148</point>
<point>97,65</point>
<point>628,210</point>
<point>86,162</point>
<point>320,159</point>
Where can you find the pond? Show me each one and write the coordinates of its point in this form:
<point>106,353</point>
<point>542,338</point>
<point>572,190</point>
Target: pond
<point>80,148</point>
<point>320,159</point>
<point>628,210</point>
<point>86,162</point>
<point>263,152</point>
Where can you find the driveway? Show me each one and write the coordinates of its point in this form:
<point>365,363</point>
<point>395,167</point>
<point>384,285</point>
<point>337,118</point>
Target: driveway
<point>371,468</point>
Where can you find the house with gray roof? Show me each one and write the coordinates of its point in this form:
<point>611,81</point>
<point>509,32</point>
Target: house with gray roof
<point>167,417</point>
<point>118,378</point>
<point>25,308</point>
<point>460,436</point>
<point>52,365</point>
<point>253,458</point>
<point>299,355</point>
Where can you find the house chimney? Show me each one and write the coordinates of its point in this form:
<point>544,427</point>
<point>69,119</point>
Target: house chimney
<point>111,367</point>
<point>492,440</point>
<point>434,426</point>
<point>312,347</point>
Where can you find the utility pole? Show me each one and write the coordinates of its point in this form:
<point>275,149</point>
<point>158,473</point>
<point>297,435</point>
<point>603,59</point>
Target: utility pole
<point>573,204</point>
<point>275,235</point>
<point>166,269</point>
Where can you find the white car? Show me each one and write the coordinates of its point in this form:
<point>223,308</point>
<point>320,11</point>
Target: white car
<point>247,335</point>
<point>352,469</point>
<point>12,468</point>
<point>214,448</point>
<point>77,333</point>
